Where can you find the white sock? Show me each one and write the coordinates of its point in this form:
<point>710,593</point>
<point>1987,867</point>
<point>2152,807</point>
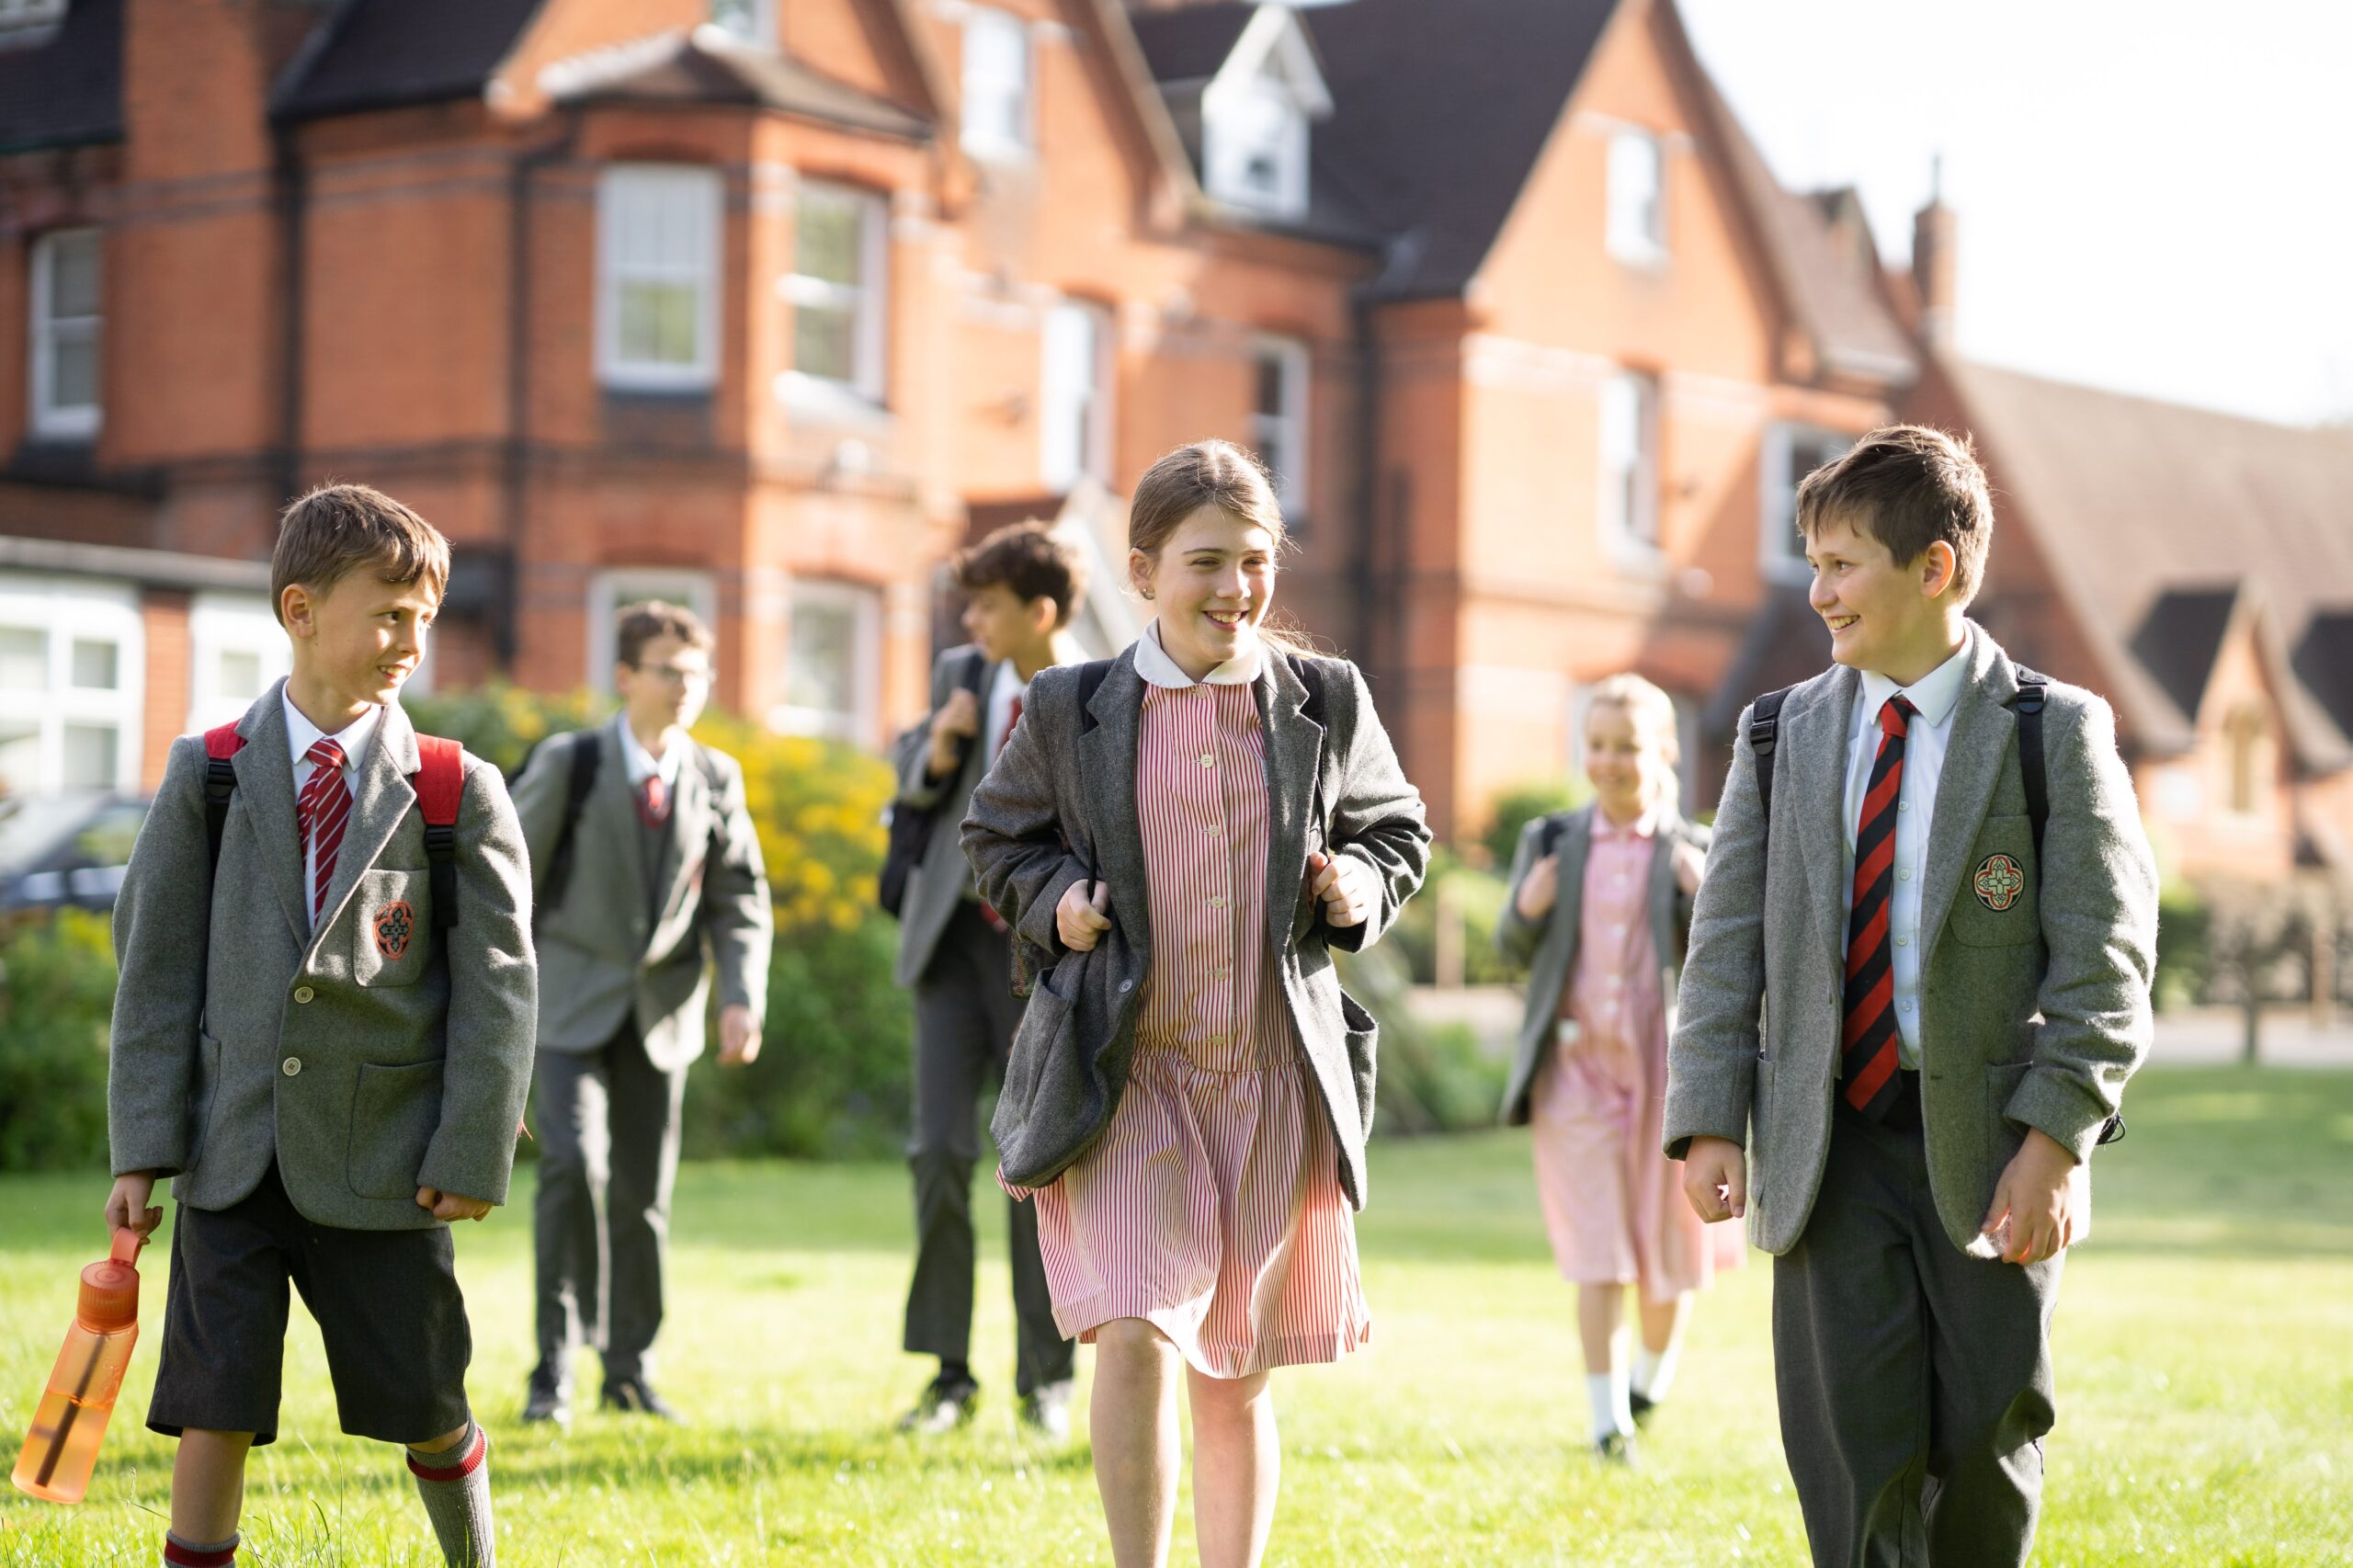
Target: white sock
<point>1655,1371</point>
<point>1607,1393</point>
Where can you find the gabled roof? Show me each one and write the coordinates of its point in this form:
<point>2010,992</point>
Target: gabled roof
<point>2141,509</point>
<point>64,89</point>
<point>704,67</point>
<point>375,54</point>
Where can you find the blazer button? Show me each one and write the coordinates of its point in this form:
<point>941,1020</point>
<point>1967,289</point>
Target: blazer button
<point>291,1066</point>
<point>1127,985</point>
<point>303,993</point>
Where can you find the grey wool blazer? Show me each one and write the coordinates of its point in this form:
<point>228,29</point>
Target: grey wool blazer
<point>1548,950</point>
<point>2034,998</point>
<point>939,880</point>
<point>607,953</point>
<point>366,1074</point>
<point>1059,800</point>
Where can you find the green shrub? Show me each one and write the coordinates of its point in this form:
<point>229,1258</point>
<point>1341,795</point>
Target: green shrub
<point>2185,946</point>
<point>56,1002</point>
<point>1477,896</point>
<point>1431,1080</point>
<point>1520,804</point>
<point>501,722</point>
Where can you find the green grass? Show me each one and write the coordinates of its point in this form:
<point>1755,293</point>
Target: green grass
<point>2205,1351</point>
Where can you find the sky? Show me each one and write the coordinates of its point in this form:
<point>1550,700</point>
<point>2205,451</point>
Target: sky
<point>2153,197</point>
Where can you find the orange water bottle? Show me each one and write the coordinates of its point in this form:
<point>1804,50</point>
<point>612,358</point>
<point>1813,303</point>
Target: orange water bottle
<point>63,1447</point>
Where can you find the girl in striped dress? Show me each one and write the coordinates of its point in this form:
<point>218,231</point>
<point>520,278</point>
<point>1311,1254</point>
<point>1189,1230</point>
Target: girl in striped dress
<point>1203,1232</point>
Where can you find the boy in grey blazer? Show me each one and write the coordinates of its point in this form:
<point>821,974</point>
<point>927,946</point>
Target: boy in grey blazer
<point>657,862</point>
<point>1950,1012</point>
<point>1023,585</point>
<point>328,1065</point>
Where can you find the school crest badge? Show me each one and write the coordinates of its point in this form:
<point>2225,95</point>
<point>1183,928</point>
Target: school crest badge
<point>395,923</point>
<point>2000,881</point>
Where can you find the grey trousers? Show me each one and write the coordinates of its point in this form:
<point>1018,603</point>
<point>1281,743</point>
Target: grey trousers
<point>1915,1381</point>
<point>965,1015</point>
<point>608,1128</point>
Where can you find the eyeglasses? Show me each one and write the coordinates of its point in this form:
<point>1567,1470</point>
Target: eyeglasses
<point>688,675</point>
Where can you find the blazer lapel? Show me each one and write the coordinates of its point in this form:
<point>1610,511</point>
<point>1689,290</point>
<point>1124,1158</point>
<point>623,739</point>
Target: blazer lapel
<point>1568,901</point>
<point>264,770</point>
<point>382,797</point>
<point>1975,753</point>
<point>1106,773</point>
<point>1813,771</point>
<point>1662,888</point>
<point>1294,748</point>
<point>617,801</point>
<point>690,813</point>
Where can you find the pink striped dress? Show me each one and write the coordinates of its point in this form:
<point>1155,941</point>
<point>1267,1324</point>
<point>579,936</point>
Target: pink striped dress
<point>1211,1207</point>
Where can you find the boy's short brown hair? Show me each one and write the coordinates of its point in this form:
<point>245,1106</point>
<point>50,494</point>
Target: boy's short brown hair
<point>1031,560</point>
<point>337,530</point>
<point>640,623</point>
<point>1908,486</point>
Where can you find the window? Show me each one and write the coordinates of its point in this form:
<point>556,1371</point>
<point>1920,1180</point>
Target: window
<point>657,319</point>
<point>236,652</point>
<point>1630,464</point>
<point>836,291</point>
<point>752,21</point>
<point>2250,759</point>
<point>1254,152</point>
<point>833,656</point>
<point>65,333</point>
<point>1789,453</point>
<point>1073,408</point>
<point>997,84</point>
<point>611,591</point>
<point>72,657</point>
<point>16,13</point>
<point>1637,198</point>
<point>1279,417</point>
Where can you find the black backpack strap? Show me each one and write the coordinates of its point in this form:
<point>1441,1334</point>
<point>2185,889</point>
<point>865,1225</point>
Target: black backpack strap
<point>220,784</point>
<point>2032,691</point>
<point>1764,738</point>
<point>1548,838</point>
<point>1090,681</point>
<point>580,777</point>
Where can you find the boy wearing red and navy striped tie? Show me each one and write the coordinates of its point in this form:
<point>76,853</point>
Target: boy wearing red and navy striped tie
<point>1947,908</point>
<point>323,1034</point>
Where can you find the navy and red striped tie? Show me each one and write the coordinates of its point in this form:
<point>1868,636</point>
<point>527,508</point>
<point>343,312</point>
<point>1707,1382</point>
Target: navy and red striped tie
<point>1868,1052</point>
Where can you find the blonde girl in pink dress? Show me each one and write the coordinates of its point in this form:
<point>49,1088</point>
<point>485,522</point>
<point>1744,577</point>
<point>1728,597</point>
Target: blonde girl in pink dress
<point>1179,836</point>
<point>1599,911</point>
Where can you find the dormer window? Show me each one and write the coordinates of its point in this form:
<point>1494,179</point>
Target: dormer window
<point>1637,198</point>
<point>1255,117</point>
<point>996,85</point>
<point>752,21</point>
<point>15,14</point>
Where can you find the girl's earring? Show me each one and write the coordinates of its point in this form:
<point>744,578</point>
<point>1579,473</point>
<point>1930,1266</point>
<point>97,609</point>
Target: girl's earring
<point>1147,593</point>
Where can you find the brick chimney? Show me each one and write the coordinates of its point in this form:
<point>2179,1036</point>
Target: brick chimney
<point>1936,234</point>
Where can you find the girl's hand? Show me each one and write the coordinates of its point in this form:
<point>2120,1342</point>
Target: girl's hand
<point>126,1207</point>
<point>1348,886</point>
<point>1083,915</point>
<point>1689,865</point>
<point>1538,889</point>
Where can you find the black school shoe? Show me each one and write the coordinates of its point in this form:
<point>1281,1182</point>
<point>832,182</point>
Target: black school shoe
<point>1616,1448</point>
<point>1641,1405</point>
<point>946,1404</point>
<point>635,1396</point>
<point>547,1401</point>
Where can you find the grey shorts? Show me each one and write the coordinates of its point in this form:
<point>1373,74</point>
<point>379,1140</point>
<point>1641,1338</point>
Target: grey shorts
<point>386,1301</point>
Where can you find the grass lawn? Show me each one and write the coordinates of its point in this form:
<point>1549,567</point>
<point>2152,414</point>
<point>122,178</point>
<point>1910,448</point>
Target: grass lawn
<point>2205,1361</point>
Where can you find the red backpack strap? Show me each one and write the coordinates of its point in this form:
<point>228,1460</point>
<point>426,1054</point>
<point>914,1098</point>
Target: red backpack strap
<point>440,784</point>
<point>221,745</point>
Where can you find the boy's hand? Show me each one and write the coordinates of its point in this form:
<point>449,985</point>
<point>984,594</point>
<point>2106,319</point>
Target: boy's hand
<point>1690,864</point>
<point>1083,915</point>
<point>1715,1178</point>
<point>126,1207</point>
<point>450,1205</point>
<point>739,1036</point>
<point>2036,1198</point>
<point>1347,886</point>
<point>1538,889</point>
<point>959,721</point>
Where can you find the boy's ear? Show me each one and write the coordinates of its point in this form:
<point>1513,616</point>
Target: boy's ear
<point>298,610</point>
<point>1937,567</point>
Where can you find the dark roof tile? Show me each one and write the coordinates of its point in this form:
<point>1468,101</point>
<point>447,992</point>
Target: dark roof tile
<point>385,54</point>
<point>63,89</point>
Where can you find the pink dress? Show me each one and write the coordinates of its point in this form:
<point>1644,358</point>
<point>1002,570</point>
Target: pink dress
<point>1211,1207</point>
<point>1613,1203</point>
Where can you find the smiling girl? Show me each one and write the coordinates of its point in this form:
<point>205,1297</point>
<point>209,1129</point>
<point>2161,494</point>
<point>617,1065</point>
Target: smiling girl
<point>1181,835</point>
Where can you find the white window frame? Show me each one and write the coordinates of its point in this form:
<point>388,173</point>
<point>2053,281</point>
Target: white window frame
<point>1260,116</point>
<point>689,197</point>
<point>856,724</point>
<point>26,14</point>
<point>64,610</point>
<point>1635,538</point>
<point>1284,432</point>
<point>1636,196</point>
<point>220,624</point>
<point>617,586</point>
<point>757,29</point>
<point>869,300</point>
<point>1781,554</point>
<point>1075,418</point>
<point>50,420</point>
<point>983,85</point>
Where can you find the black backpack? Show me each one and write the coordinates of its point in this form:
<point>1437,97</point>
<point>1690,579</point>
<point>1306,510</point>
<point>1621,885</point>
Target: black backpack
<point>583,757</point>
<point>1764,729</point>
<point>911,825</point>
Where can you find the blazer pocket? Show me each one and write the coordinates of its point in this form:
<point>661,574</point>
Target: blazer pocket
<point>1362,1040</point>
<point>393,929</point>
<point>1997,905</point>
<point>1038,1045</point>
<point>393,1114</point>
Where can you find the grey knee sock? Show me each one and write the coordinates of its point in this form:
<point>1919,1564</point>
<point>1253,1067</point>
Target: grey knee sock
<point>455,1485</point>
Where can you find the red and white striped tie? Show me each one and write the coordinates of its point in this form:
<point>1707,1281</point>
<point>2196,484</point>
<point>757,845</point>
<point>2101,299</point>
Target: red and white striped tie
<point>321,811</point>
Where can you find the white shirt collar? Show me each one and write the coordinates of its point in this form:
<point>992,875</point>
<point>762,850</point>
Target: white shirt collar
<point>1156,667</point>
<point>1933,695</point>
<point>301,735</point>
<point>642,764</point>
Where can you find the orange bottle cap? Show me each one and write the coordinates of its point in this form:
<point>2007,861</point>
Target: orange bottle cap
<point>109,1301</point>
